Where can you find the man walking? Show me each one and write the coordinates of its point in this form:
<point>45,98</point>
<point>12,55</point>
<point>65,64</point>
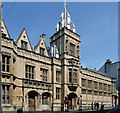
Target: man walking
<point>102,106</point>
<point>97,104</point>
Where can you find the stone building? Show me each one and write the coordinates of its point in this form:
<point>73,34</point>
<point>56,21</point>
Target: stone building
<point>50,78</point>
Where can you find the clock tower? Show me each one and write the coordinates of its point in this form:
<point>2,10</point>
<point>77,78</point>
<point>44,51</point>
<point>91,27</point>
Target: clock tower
<point>68,43</point>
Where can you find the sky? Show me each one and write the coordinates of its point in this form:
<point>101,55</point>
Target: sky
<point>95,22</point>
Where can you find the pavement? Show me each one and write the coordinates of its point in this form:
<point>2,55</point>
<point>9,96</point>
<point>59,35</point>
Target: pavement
<point>93,111</point>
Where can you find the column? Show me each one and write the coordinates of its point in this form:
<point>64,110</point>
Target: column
<point>72,75</point>
<point>26,103</point>
<point>11,95</point>
<point>40,102</point>
<point>86,92</point>
<point>92,91</point>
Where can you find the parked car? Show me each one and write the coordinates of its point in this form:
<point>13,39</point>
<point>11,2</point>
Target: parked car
<point>115,110</point>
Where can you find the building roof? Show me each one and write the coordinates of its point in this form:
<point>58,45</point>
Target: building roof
<point>95,71</point>
<point>65,21</point>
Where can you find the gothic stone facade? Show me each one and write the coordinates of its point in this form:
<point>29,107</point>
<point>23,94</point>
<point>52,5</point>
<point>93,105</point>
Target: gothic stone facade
<point>31,80</point>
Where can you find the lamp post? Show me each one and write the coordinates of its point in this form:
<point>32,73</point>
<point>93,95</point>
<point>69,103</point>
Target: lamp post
<point>52,102</point>
<point>80,101</point>
<point>67,102</point>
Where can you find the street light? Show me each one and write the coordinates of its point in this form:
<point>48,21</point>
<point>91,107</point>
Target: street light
<point>80,101</point>
<point>67,102</point>
<point>52,102</point>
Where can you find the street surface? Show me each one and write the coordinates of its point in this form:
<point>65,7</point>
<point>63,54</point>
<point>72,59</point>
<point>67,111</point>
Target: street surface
<point>105,111</point>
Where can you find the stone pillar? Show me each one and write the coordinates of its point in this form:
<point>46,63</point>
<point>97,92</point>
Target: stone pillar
<point>26,103</point>
<point>50,102</point>
<point>72,75</point>
<point>11,95</point>
<point>36,102</point>
<point>98,93</point>
<point>40,102</point>
<point>78,103</point>
<point>86,92</point>
<point>92,92</point>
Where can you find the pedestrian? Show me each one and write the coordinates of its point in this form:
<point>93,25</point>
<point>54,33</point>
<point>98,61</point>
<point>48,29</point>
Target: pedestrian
<point>92,105</point>
<point>102,106</point>
<point>95,105</point>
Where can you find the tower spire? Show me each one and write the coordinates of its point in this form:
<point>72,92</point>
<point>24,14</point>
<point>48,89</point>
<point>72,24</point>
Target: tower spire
<point>64,4</point>
<point>65,20</point>
<point>65,12</point>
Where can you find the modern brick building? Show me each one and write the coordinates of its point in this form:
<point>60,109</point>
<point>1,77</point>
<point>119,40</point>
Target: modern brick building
<point>46,78</point>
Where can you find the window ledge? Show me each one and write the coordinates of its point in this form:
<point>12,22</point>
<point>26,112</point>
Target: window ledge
<point>6,105</point>
<point>7,82</point>
<point>4,72</point>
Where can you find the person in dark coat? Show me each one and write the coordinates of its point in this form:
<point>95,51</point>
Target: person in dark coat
<point>97,104</point>
<point>102,106</point>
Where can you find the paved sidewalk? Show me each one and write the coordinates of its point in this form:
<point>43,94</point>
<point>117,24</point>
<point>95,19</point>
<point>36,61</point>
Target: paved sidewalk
<point>71,111</point>
<point>93,111</point>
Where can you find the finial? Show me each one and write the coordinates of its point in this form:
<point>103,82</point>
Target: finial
<point>65,4</point>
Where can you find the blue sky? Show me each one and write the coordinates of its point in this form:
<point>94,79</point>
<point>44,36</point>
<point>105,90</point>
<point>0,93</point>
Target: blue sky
<point>96,23</point>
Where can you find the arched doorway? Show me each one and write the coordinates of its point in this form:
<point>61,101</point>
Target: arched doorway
<point>46,101</point>
<point>33,98</point>
<point>72,101</point>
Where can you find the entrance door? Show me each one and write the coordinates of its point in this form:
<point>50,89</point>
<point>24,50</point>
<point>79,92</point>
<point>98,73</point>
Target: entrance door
<point>72,100</point>
<point>31,104</point>
<point>33,100</point>
<point>70,104</point>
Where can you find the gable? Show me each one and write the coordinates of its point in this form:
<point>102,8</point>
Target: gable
<point>41,46</point>
<point>4,30</point>
<point>23,41</point>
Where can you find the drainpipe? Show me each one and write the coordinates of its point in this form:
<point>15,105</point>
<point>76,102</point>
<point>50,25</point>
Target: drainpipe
<point>23,95</point>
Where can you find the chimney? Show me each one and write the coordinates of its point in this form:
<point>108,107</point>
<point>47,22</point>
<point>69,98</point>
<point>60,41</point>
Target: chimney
<point>94,69</point>
<point>107,65</point>
<point>43,37</point>
<point>108,61</point>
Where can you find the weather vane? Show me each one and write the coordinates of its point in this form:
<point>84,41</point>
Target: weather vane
<point>65,4</point>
